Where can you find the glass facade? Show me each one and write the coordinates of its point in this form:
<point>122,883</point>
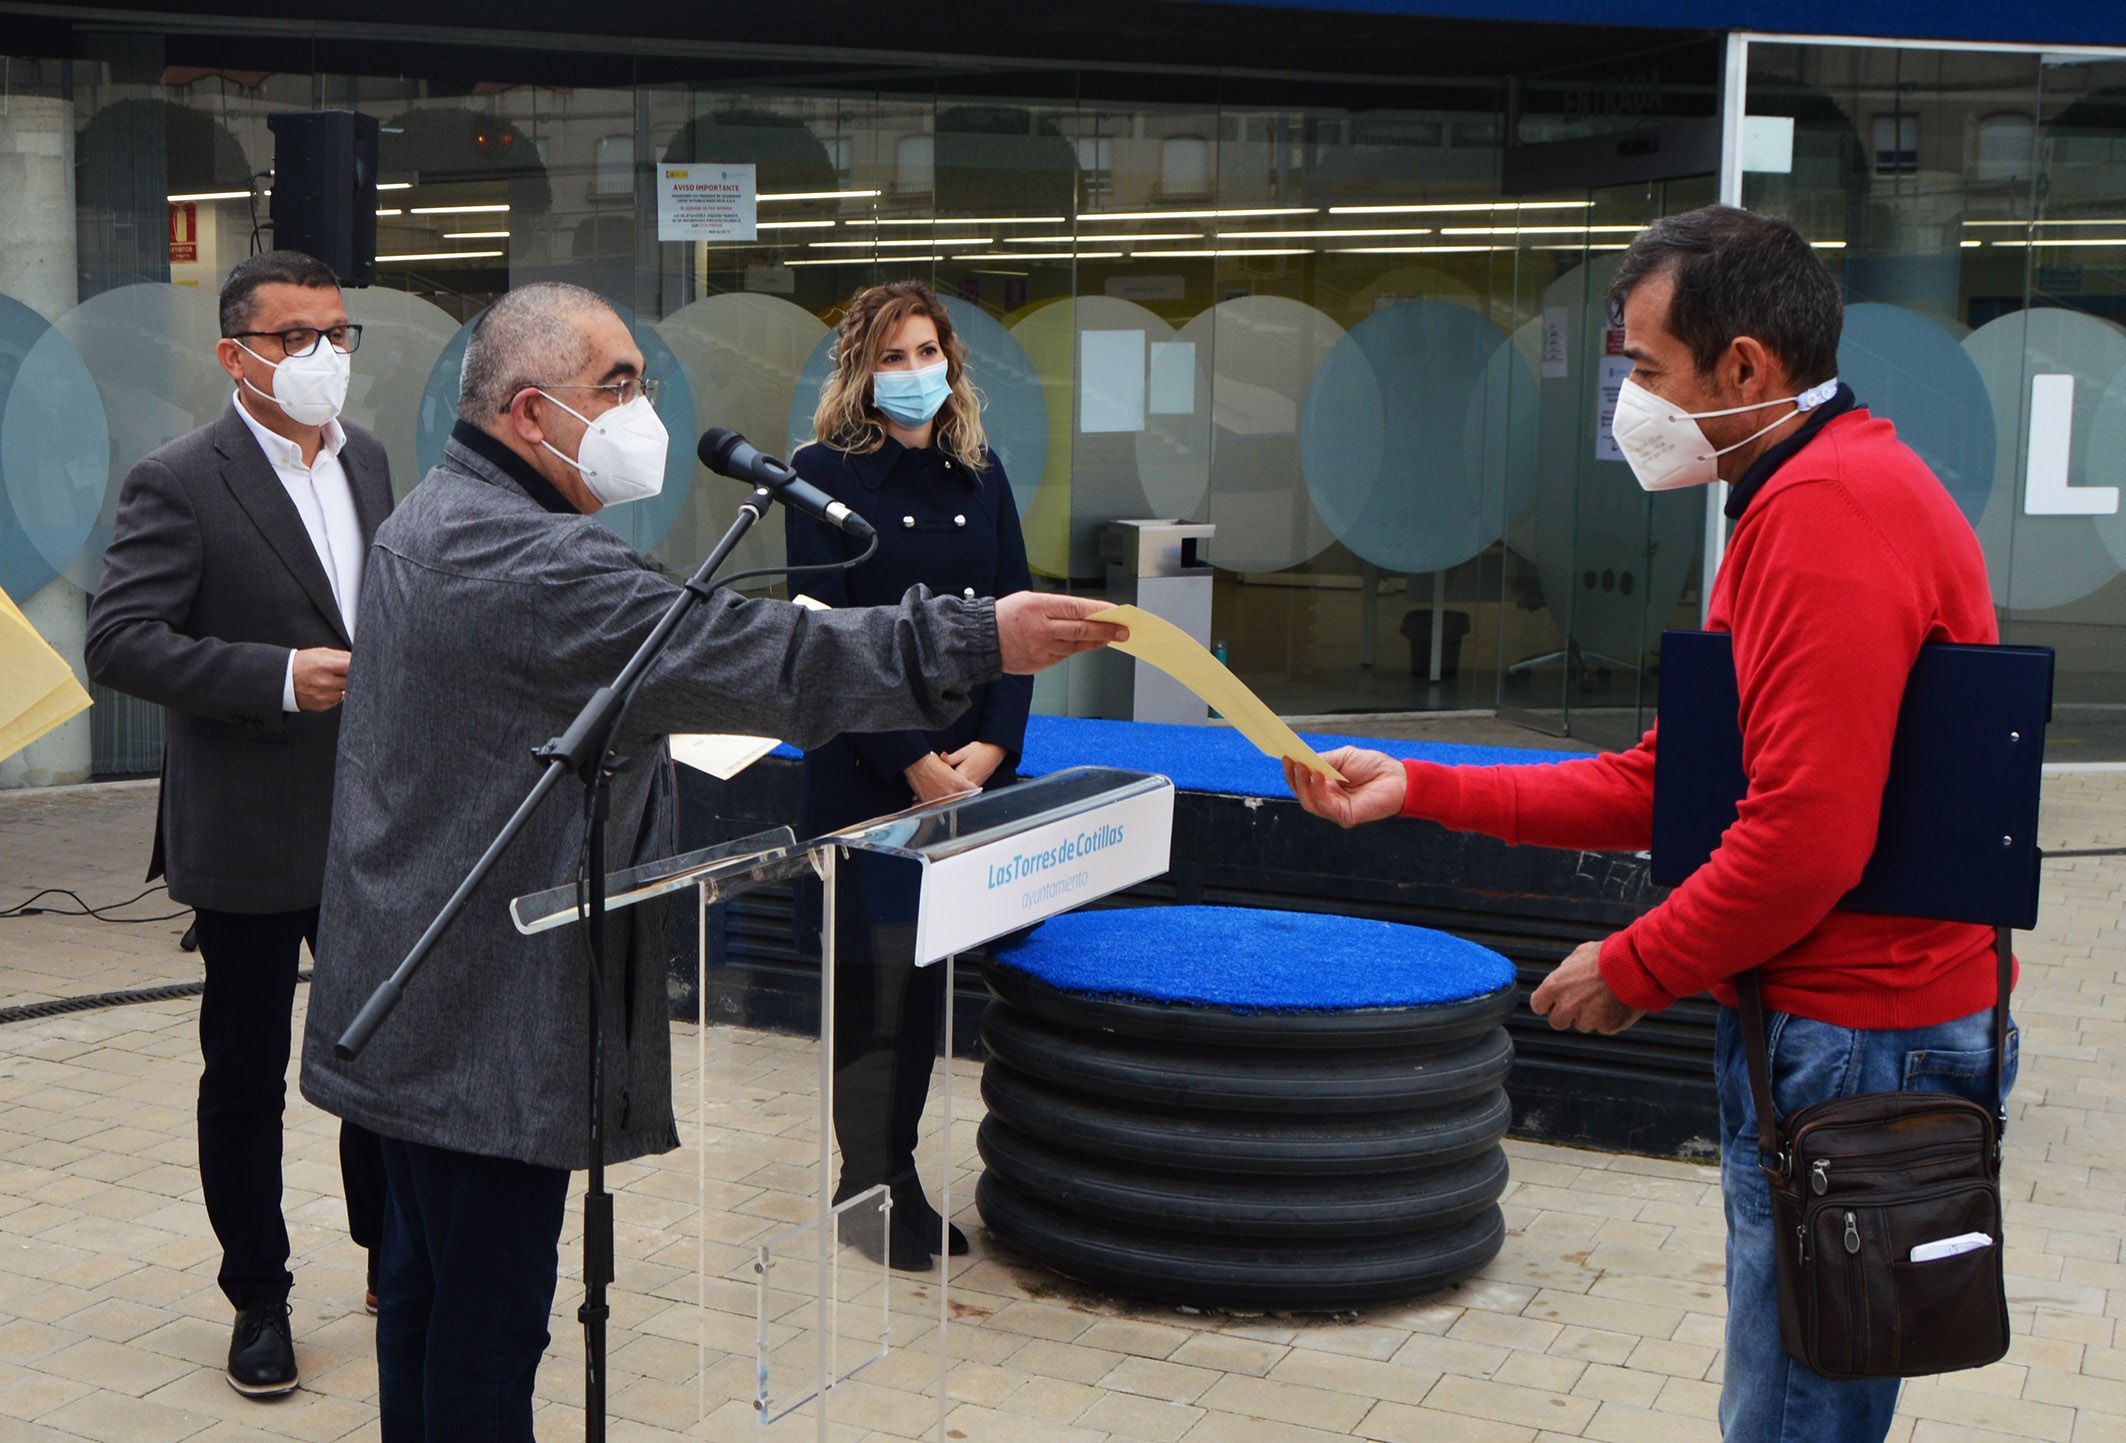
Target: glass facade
<point>1978,198</point>
<point>1346,322</point>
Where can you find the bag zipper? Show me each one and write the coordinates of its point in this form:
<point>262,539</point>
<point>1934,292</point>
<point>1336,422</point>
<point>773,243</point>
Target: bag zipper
<point>1798,1139</point>
<point>1856,1297</point>
<point>1812,1211</point>
<point>1820,1170</point>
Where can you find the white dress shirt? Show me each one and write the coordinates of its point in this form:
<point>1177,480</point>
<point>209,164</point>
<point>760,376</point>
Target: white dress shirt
<point>325,501</point>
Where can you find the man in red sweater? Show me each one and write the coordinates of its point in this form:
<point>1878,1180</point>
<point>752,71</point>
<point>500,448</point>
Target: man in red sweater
<point>1847,554</point>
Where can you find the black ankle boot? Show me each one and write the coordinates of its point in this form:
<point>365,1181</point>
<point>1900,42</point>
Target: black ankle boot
<point>909,1199</point>
<point>866,1228</point>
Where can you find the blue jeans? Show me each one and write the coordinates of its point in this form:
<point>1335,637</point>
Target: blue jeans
<point>464,1285</point>
<point>1766,1396</point>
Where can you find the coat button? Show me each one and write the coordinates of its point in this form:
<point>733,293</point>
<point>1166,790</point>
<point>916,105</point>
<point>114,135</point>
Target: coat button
<point>968,593</point>
<point>948,464</point>
<point>959,521</point>
<point>909,522</point>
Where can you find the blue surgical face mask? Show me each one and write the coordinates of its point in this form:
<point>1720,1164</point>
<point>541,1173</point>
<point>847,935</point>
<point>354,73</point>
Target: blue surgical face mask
<point>910,398</point>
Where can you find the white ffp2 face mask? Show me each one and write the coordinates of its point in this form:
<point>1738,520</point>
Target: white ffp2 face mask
<point>1665,446</point>
<point>311,388</point>
<point>622,453</point>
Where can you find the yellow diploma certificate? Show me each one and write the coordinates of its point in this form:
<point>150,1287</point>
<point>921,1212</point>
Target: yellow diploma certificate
<point>37,689</point>
<point>1158,642</point>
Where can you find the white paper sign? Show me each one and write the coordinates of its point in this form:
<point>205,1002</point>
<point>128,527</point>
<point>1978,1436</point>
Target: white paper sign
<point>1110,381</point>
<point>775,280</point>
<point>1609,376</point>
<point>706,203</point>
<point>987,891</point>
<point>1173,385</point>
<point>1556,357</point>
<point>1768,144</point>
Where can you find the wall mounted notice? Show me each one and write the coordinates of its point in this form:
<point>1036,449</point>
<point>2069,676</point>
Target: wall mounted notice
<point>1556,334</point>
<point>706,203</point>
<point>1768,143</point>
<point>1173,382</point>
<point>1110,381</point>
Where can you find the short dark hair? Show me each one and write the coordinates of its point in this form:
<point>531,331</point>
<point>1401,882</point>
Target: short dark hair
<point>239,293</point>
<point>1739,274</point>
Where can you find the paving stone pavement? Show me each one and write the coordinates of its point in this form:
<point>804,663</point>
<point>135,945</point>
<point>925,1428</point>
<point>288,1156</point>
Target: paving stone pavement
<point>1601,1319</point>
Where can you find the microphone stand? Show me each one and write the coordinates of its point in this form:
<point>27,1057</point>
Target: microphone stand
<point>583,751</point>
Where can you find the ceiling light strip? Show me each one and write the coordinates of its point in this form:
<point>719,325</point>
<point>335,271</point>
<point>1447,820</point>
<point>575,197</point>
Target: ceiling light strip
<point>1104,216</point>
<point>820,195</point>
<point>1445,207</point>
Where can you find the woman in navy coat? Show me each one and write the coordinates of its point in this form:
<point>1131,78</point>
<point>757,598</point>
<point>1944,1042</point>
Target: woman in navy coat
<point>899,440</point>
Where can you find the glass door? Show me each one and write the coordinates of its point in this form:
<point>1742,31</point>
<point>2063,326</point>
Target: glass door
<point>1596,569</point>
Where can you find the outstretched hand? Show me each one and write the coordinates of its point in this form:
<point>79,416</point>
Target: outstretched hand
<point>1037,629</point>
<point>1373,787</point>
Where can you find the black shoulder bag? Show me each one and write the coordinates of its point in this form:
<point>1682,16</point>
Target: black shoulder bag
<point>1887,1213</point>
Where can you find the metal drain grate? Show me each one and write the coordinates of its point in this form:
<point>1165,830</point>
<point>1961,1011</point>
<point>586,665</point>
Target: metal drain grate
<point>97,1001</point>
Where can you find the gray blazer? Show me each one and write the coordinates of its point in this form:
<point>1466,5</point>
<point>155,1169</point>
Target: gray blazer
<point>486,622</point>
<point>209,581</point>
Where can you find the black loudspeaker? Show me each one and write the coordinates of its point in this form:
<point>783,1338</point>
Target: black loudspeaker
<point>324,189</point>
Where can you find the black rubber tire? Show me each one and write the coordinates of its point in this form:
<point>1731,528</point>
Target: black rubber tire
<point>1327,1080</point>
<point>1239,1142</point>
<point>1254,1274</point>
<point>1364,1205</point>
<point>1224,1027</point>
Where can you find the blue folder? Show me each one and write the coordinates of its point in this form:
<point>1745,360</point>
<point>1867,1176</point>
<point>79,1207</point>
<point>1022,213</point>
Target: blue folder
<point>1958,833</point>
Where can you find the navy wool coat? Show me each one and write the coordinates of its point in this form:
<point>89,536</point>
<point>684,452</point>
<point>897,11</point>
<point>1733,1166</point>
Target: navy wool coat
<point>940,526</point>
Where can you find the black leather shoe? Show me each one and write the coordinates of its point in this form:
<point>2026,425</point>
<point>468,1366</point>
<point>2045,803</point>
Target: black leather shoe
<point>262,1351</point>
<point>909,1201</point>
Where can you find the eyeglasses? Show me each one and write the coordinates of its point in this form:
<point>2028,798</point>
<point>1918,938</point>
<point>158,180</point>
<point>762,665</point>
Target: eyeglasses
<point>624,390</point>
<point>302,340</point>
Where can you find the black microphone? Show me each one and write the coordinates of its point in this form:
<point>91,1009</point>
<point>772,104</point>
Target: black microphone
<point>729,454</point>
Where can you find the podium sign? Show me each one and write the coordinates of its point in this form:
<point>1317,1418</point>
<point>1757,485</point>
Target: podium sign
<point>999,886</point>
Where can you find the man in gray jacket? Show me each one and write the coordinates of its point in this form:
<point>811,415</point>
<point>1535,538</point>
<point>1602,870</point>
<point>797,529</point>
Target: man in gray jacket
<point>494,605</point>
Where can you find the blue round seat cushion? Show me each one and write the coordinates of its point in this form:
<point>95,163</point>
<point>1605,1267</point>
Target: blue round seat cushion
<point>1255,960</point>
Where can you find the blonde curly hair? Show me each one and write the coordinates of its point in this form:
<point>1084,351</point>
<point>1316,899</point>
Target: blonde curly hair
<point>848,421</point>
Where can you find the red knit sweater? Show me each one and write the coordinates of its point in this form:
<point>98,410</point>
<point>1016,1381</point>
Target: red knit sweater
<point>1850,556</point>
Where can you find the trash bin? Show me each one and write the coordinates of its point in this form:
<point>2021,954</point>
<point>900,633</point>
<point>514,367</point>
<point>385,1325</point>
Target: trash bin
<point>1159,566</point>
<point>1417,625</point>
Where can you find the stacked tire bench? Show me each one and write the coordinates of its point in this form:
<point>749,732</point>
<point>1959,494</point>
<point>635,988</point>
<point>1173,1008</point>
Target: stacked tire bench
<point>1248,1109</point>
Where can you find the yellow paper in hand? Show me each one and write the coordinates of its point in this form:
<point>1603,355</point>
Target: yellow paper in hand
<point>37,688</point>
<point>1158,642</point>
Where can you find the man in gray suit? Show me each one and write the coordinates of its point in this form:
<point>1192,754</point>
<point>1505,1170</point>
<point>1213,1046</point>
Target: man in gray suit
<point>495,604</point>
<point>229,597</point>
